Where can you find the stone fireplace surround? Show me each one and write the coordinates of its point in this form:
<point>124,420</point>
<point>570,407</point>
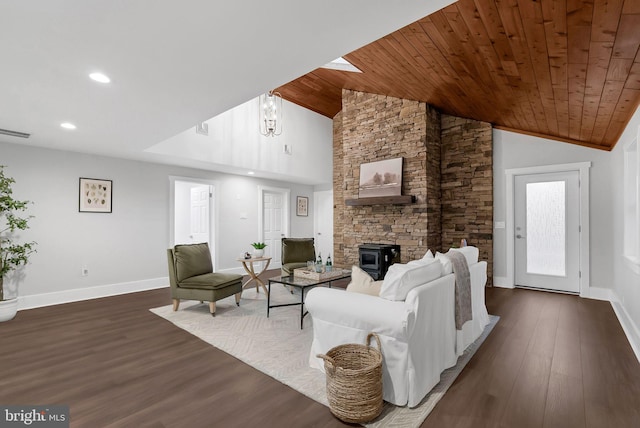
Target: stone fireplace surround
<point>448,167</point>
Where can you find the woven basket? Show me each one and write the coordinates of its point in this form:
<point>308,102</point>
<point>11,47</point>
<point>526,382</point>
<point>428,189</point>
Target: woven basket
<point>354,381</point>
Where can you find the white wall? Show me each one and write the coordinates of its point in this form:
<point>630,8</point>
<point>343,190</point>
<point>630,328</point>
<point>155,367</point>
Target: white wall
<point>231,142</point>
<point>124,250</point>
<point>511,150</point>
<point>626,282</point>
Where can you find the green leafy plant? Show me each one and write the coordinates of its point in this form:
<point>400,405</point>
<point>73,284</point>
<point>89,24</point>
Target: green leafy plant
<point>12,254</point>
<point>258,245</point>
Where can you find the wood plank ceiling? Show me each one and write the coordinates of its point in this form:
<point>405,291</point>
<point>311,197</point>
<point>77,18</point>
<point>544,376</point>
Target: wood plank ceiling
<point>562,69</point>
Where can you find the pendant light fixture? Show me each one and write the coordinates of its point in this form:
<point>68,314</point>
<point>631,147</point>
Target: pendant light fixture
<point>270,110</point>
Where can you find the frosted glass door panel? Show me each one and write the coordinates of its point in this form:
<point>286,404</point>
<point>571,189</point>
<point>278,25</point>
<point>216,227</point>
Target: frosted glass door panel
<point>546,229</point>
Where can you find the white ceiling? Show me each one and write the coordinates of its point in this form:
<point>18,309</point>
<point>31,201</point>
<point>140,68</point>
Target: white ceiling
<point>172,63</point>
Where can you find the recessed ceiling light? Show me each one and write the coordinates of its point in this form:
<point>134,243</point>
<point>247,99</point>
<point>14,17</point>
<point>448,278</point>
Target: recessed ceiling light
<point>250,172</point>
<point>99,77</point>
<point>67,125</point>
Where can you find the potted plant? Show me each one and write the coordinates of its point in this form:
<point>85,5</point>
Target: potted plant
<point>12,254</point>
<point>258,249</point>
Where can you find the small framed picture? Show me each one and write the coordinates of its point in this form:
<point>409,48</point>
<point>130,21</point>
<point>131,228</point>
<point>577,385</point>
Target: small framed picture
<point>302,206</point>
<point>95,195</point>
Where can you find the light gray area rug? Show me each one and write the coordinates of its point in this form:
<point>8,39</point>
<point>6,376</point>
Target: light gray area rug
<point>246,333</point>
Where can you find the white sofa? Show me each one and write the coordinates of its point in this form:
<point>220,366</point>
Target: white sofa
<point>418,335</point>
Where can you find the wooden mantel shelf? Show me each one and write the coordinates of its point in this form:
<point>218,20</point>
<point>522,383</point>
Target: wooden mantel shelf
<point>381,200</point>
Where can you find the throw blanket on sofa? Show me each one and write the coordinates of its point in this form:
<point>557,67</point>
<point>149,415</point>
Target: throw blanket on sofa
<point>463,287</point>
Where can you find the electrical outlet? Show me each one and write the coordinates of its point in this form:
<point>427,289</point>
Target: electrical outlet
<point>85,271</point>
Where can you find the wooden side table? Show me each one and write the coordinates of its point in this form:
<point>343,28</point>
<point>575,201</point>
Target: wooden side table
<point>253,276</point>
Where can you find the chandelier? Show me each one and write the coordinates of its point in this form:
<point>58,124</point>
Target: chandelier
<point>270,110</point>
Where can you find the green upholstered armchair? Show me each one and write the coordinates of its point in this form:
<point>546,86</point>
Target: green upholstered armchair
<point>192,278</point>
<point>295,253</point>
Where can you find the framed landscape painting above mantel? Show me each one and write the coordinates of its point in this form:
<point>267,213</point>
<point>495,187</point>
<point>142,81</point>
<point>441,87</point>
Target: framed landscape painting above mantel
<point>95,195</point>
<point>381,178</point>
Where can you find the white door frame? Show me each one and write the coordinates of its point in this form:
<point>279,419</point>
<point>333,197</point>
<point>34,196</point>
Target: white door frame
<point>583,171</point>
<point>213,213</point>
<point>285,209</point>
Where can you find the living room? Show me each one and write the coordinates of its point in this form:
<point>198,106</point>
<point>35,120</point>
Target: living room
<point>124,251</point>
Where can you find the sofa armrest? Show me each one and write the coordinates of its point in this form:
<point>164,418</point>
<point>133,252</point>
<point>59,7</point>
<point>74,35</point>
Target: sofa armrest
<point>360,311</point>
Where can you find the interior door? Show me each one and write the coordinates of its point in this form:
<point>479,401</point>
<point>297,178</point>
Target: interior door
<point>273,226</point>
<point>323,222</point>
<point>199,224</point>
<point>547,231</point>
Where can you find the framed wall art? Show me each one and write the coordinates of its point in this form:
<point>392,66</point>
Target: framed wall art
<point>382,178</point>
<point>302,206</point>
<point>95,195</point>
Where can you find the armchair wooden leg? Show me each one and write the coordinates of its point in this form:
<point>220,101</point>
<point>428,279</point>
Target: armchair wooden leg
<point>212,308</point>
<point>176,303</point>
<point>238,295</point>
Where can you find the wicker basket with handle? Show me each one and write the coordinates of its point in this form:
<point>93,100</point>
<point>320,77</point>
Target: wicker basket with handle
<point>354,380</point>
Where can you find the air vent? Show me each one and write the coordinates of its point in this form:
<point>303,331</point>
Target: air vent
<point>14,133</point>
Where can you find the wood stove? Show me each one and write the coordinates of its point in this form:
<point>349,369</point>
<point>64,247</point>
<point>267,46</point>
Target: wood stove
<point>375,259</point>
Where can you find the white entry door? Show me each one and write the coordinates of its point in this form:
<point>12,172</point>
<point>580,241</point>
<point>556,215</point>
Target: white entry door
<point>273,225</point>
<point>547,231</point>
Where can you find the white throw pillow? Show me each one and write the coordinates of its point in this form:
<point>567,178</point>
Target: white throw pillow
<point>427,258</point>
<point>470,253</point>
<point>402,278</point>
<point>363,283</point>
<point>428,255</point>
<point>445,262</point>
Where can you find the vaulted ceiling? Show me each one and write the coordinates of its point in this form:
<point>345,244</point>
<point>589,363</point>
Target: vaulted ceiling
<point>562,69</point>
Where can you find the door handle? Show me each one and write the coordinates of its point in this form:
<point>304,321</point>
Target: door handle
<point>520,236</point>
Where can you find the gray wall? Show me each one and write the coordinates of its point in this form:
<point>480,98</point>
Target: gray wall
<point>511,150</point>
<point>129,244</point>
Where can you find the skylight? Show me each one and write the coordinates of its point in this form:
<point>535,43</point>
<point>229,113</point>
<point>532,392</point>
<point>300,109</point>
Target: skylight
<point>342,65</point>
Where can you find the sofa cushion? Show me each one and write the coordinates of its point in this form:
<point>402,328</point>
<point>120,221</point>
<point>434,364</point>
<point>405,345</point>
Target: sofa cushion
<point>289,267</point>
<point>192,260</point>
<point>211,281</point>
<point>363,283</point>
<point>471,253</point>
<point>445,263</point>
<point>401,278</point>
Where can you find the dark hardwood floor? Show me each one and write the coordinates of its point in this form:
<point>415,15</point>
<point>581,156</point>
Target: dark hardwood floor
<point>552,361</point>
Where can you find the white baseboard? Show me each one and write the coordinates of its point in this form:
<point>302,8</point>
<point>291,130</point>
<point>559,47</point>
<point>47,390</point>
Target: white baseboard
<point>67,296</point>
<point>501,281</point>
<point>598,293</point>
<point>630,328</point>
<point>239,270</point>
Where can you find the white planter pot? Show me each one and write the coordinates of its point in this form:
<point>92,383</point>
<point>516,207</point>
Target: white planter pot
<point>258,253</point>
<point>8,309</point>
